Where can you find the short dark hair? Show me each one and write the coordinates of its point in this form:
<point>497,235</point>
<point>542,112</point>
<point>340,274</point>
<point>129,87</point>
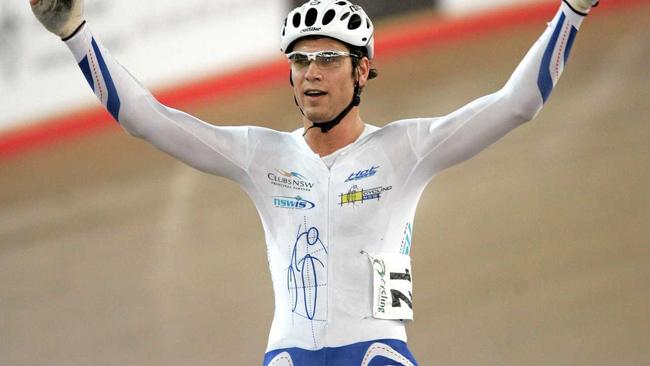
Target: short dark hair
<point>361,52</point>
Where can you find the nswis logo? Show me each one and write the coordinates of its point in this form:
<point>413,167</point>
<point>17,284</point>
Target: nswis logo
<point>293,203</point>
<point>291,180</point>
<point>362,174</point>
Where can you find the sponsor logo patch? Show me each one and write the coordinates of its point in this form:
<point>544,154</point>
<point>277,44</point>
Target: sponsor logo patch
<point>293,203</point>
<point>291,180</point>
<point>310,29</point>
<point>362,174</point>
<point>360,195</point>
<point>382,295</point>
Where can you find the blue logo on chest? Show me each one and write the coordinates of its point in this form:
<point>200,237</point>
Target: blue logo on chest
<point>362,174</point>
<point>294,203</point>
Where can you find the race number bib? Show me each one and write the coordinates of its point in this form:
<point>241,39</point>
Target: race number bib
<point>392,286</point>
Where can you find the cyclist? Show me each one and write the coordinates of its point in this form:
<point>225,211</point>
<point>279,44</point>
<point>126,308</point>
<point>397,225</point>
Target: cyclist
<point>336,197</point>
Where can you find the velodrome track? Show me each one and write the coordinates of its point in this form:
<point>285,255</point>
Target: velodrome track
<point>536,252</point>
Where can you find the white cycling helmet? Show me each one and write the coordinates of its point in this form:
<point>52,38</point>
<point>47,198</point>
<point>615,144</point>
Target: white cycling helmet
<point>338,19</point>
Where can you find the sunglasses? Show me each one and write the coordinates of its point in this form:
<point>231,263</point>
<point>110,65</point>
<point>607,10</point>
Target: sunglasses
<point>328,59</point>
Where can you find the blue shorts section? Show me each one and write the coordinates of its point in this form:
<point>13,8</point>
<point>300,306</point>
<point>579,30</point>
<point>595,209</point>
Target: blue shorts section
<point>351,355</point>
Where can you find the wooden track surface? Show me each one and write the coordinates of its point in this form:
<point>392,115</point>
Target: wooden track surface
<point>536,252</point>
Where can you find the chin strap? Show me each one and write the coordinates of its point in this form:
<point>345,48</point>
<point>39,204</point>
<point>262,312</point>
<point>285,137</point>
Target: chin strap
<point>326,126</point>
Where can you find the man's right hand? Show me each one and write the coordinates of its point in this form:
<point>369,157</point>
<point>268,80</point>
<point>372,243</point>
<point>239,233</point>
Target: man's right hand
<point>61,17</point>
<point>583,6</point>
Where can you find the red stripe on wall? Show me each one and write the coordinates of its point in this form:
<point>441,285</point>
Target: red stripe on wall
<point>391,43</point>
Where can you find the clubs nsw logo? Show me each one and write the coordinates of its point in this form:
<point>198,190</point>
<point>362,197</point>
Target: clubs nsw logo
<point>291,180</point>
<point>293,203</point>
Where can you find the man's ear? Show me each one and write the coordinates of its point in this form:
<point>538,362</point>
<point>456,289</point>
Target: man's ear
<point>363,70</point>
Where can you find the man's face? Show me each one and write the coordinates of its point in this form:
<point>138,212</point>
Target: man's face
<point>322,93</point>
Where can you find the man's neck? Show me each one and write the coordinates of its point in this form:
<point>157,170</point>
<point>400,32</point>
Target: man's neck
<point>342,135</point>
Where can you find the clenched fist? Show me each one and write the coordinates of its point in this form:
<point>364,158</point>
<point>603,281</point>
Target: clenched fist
<point>61,17</point>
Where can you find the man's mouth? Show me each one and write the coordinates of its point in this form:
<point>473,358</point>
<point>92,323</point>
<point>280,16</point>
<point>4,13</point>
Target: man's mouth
<point>314,93</point>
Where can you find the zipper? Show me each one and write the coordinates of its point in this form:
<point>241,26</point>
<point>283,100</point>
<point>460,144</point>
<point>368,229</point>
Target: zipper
<point>330,238</point>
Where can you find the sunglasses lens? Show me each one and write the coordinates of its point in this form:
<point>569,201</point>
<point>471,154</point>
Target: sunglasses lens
<point>328,59</point>
<point>299,60</point>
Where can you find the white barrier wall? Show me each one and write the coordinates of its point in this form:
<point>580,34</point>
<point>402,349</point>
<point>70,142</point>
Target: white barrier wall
<point>461,7</point>
<point>161,42</point>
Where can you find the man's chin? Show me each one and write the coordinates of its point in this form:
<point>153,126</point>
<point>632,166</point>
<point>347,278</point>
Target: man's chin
<point>315,116</point>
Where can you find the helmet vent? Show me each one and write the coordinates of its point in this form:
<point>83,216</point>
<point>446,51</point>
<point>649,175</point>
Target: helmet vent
<point>368,23</point>
<point>342,3</point>
<point>310,18</point>
<point>296,20</point>
<point>345,16</point>
<point>329,16</point>
<point>355,22</point>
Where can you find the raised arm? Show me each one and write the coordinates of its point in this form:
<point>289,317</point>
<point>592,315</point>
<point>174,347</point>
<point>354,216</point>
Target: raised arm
<point>443,142</point>
<point>223,151</point>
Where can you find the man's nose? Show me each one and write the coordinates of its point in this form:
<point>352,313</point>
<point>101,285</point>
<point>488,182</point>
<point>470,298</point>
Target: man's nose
<point>313,71</point>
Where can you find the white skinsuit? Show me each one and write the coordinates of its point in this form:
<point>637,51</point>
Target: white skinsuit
<point>326,218</point>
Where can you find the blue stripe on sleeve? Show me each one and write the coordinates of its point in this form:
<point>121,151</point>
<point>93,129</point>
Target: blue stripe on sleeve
<point>572,37</point>
<point>544,80</point>
<point>113,102</point>
<point>85,68</point>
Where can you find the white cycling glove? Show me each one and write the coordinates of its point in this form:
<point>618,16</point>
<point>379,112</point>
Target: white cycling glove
<point>61,17</point>
<point>582,6</point>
